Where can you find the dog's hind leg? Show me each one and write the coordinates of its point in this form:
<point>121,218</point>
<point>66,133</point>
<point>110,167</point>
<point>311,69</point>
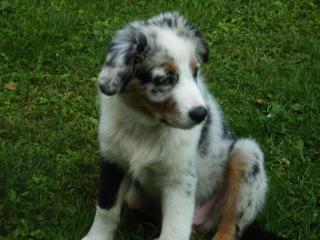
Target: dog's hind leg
<point>243,192</point>
<point>114,184</point>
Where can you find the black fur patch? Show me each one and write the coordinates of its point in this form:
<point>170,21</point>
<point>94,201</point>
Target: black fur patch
<point>203,54</point>
<point>254,232</point>
<point>138,187</point>
<point>136,52</point>
<point>110,179</point>
<point>195,74</point>
<point>125,78</point>
<point>237,231</point>
<point>168,21</point>
<point>144,75</point>
<point>232,145</point>
<point>252,173</point>
<point>204,136</point>
<point>227,131</point>
<point>257,156</point>
<point>110,61</point>
<point>255,170</point>
<point>165,20</point>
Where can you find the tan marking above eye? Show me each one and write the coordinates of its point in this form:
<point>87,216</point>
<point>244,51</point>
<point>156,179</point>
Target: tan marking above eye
<point>170,67</point>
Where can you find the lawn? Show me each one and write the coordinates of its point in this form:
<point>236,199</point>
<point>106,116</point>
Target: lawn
<point>264,69</point>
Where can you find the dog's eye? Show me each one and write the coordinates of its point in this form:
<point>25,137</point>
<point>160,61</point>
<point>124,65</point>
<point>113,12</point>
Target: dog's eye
<point>158,80</point>
<point>170,80</point>
<point>167,80</point>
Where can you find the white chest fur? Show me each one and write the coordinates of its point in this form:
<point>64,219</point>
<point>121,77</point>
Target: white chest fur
<point>140,146</point>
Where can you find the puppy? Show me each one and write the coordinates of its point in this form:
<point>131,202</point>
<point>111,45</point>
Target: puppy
<point>162,130</point>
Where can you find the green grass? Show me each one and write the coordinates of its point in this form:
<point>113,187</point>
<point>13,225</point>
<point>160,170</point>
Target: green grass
<point>53,51</point>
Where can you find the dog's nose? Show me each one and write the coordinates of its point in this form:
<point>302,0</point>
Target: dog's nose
<point>198,114</point>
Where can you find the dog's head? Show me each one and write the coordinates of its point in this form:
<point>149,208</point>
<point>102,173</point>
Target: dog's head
<point>154,65</point>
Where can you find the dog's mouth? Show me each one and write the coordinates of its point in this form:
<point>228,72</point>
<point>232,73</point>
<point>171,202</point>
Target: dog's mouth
<point>185,126</point>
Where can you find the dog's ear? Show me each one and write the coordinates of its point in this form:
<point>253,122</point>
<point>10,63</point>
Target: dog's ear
<point>125,52</point>
<point>202,46</point>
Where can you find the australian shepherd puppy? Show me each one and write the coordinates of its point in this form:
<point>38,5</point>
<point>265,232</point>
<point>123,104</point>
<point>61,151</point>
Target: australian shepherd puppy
<point>162,133</point>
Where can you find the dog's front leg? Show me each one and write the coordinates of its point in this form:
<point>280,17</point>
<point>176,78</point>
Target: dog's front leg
<point>178,199</point>
<point>114,184</point>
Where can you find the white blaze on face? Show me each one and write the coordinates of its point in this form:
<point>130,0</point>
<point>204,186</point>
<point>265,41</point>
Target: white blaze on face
<point>186,93</point>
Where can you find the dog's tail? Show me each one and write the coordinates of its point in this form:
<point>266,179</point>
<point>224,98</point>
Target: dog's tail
<point>254,232</point>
